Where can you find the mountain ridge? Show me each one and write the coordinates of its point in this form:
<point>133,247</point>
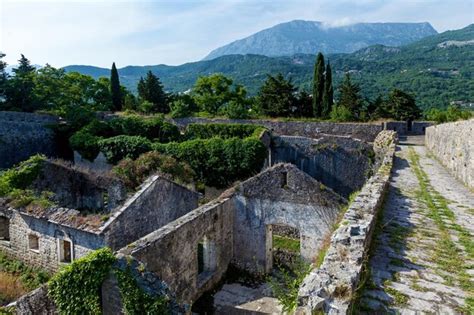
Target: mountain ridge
<point>310,37</point>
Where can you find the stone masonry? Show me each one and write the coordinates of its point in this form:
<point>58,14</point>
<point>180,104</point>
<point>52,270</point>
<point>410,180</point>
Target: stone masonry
<point>453,145</point>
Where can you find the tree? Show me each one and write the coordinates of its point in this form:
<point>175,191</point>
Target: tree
<point>328,94</point>
<point>49,88</point>
<point>20,94</point>
<point>350,97</point>
<point>3,78</point>
<point>115,89</point>
<point>276,96</point>
<point>402,106</point>
<point>318,85</point>
<point>212,92</point>
<point>304,105</point>
<point>151,90</point>
<point>103,98</point>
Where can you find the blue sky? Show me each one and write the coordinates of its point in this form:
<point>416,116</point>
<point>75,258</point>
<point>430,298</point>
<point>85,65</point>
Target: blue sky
<point>178,31</point>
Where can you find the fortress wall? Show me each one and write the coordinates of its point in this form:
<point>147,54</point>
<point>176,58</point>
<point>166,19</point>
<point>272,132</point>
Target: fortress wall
<point>331,287</point>
<point>362,131</point>
<point>453,146</point>
<point>23,135</point>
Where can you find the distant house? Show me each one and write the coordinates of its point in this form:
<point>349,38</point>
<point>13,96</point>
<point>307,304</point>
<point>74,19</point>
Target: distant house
<point>90,212</point>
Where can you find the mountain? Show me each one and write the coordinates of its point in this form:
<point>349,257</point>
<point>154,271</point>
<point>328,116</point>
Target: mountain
<point>437,69</point>
<point>310,37</point>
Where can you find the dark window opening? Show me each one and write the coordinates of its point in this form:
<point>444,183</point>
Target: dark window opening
<point>4,229</point>
<point>284,180</point>
<point>33,242</point>
<point>65,251</point>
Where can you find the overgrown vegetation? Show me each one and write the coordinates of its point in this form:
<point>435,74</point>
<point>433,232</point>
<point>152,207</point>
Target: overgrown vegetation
<point>224,131</point>
<point>286,243</point>
<point>448,256</point>
<point>286,283</point>
<point>134,172</point>
<point>218,162</point>
<point>75,288</point>
<point>16,278</point>
<point>21,176</point>
<point>135,300</point>
<point>452,113</point>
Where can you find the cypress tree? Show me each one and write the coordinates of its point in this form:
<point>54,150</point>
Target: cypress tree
<point>115,89</point>
<point>328,95</point>
<point>318,85</point>
<point>151,90</point>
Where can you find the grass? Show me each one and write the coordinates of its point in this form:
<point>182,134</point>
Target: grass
<point>16,278</point>
<point>399,299</point>
<point>286,243</point>
<point>448,257</point>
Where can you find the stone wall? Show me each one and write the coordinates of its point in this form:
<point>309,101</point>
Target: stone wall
<point>23,135</point>
<point>453,146</point>
<point>158,202</point>
<point>76,189</point>
<point>331,287</point>
<point>36,302</point>
<point>366,132</point>
<point>406,128</point>
<point>47,254</point>
<point>171,252</point>
<point>99,165</point>
<point>281,195</point>
<point>340,163</point>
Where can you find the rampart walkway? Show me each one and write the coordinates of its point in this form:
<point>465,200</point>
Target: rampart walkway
<point>422,258</point>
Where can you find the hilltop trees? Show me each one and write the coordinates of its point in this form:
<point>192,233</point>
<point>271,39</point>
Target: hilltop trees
<point>3,77</point>
<point>151,91</point>
<point>276,96</point>
<point>115,89</point>
<point>328,94</point>
<point>20,87</point>
<point>212,92</point>
<point>318,85</point>
<point>402,106</point>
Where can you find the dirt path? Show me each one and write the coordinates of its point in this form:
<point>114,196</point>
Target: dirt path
<point>422,259</point>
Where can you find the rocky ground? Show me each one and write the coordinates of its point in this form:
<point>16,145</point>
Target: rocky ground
<point>422,258</point>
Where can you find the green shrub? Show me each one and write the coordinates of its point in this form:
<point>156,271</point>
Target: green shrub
<point>341,113</point>
<point>20,198</point>
<point>75,289</point>
<point>86,144</point>
<point>120,147</point>
<point>22,175</point>
<point>154,128</point>
<point>225,131</point>
<point>135,300</point>
<point>219,162</point>
<point>452,113</point>
<point>30,277</point>
<point>133,173</point>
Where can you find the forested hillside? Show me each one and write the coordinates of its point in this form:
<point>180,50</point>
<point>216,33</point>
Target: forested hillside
<point>437,69</point>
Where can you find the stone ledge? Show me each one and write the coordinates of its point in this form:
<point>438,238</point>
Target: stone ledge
<point>331,287</point>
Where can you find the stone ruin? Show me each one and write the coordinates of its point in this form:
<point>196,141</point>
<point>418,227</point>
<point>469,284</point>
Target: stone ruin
<point>187,251</point>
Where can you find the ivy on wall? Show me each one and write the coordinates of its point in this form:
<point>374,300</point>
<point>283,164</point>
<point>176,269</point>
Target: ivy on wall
<point>76,288</point>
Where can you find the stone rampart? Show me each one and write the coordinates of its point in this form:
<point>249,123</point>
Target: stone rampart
<point>362,131</point>
<point>331,287</point>
<point>453,146</point>
<point>23,135</point>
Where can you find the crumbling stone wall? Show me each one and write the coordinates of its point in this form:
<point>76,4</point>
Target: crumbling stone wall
<point>158,202</point>
<point>23,135</point>
<point>331,287</point>
<point>366,132</point>
<point>171,252</point>
<point>340,163</point>
<point>75,189</point>
<point>453,146</point>
<point>281,195</point>
<point>36,302</point>
<point>48,233</point>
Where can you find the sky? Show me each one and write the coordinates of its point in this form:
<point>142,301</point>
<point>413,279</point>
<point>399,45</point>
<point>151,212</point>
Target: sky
<point>140,32</point>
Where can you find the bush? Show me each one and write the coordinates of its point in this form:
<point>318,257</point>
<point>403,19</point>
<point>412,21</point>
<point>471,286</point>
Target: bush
<point>86,144</point>
<point>120,147</point>
<point>181,108</point>
<point>22,175</point>
<point>219,162</point>
<point>154,128</point>
<point>452,113</point>
<point>225,131</point>
<point>133,173</point>
<point>237,110</point>
<point>30,277</point>
<point>75,289</point>
<point>341,113</point>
